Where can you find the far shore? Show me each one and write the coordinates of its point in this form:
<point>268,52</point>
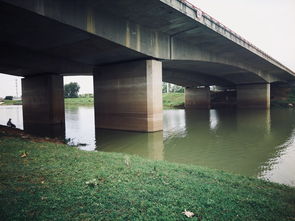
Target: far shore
<point>170,101</point>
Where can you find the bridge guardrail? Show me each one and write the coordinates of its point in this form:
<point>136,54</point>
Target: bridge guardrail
<point>201,13</point>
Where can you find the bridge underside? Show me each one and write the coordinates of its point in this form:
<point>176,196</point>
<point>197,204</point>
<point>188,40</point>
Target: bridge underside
<point>128,55</point>
<point>201,73</point>
<point>54,48</point>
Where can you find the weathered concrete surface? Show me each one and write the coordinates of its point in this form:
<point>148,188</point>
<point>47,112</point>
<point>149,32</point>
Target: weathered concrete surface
<point>104,32</point>
<point>253,96</point>
<point>197,98</point>
<point>86,36</point>
<point>128,96</point>
<point>43,99</point>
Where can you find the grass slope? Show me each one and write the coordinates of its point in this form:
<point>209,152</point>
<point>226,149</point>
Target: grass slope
<point>49,183</point>
<point>173,100</point>
<point>79,101</point>
<point>12,102</point>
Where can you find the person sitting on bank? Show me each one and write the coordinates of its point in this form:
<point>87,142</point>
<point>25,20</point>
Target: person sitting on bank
<point>10,124</point>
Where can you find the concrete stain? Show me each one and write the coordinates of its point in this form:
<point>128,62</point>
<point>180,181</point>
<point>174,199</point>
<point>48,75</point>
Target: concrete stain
<point>90,26</point>
<point>127,35</point>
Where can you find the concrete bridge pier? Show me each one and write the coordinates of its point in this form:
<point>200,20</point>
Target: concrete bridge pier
<point>128,96</point>
<point>253,96</point>
<point>43,104</point>
<point>197,98</point>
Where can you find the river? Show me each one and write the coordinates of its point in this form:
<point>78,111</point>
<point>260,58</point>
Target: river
<point>258,143</point>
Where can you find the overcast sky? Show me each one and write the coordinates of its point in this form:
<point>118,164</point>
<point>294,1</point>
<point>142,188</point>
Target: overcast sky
<point>269,24</point>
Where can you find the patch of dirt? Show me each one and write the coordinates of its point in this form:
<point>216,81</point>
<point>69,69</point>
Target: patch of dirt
<point>14,132</point>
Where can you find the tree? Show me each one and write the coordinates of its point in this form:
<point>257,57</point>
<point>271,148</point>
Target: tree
<point>71,90</point>
<point>171,88</point>
<point>8,98</point>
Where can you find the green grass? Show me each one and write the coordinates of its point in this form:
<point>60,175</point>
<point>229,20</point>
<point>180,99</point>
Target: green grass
<point>173,100</point>
<point>79,101</point>
<point>50,184</point>
<point>12,102</point>
<point>170,101</point>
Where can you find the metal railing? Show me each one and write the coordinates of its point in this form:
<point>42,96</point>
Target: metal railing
<point>201,13</point>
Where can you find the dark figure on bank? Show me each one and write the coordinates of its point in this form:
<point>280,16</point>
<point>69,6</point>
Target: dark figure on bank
<point>10,124</point>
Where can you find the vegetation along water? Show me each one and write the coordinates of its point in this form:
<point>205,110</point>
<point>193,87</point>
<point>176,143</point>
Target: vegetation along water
<point>49,180</point>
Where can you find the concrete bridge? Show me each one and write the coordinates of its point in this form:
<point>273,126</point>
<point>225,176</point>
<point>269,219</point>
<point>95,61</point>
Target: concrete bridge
<point>129,47</point>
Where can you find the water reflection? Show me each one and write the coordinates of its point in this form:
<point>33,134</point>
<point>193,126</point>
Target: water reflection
<point>80,127</point>
<point>174,124</point>
<point>257,143</point>
<point>15,112</point>
<point>214,120</point>
<point>281,167</point>
<point>149,145</point>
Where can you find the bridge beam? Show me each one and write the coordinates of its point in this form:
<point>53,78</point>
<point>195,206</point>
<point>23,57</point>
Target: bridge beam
<point>43,104</point>
<point>197,98</point>
<point>253,96</point>
<point>128,96</point>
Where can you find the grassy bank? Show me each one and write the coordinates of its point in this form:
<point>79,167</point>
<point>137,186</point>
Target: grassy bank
<point>68,101</point>
<point>79,101</point>
<point>173,100</point>
<point>11,102</point>
<point>170,101</point>
<point>49,181</point>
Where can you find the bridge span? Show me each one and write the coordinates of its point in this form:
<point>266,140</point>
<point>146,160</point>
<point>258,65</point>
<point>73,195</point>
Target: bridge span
<point>129,47</point>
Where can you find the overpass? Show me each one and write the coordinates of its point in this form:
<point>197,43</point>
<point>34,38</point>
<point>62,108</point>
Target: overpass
<point>129,47</point>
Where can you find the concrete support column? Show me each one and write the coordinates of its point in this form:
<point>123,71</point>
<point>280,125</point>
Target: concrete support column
<point>43,102</point>
<point>128,96</point>
<point>197,98</point>
<point>253,96</point>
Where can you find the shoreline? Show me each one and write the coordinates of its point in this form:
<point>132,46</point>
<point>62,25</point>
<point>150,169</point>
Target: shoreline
<point>44,178</point>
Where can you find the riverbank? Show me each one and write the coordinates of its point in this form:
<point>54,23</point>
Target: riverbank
<point>11,102</point>
<point>68,101</point>
<point>79,101</point>
<point>170,101</point>
<point>173,100</point>
<point>48,180</point>
<point>282,99</point>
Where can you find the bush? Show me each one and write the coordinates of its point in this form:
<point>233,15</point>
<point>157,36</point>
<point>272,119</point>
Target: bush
<point>8,98</point>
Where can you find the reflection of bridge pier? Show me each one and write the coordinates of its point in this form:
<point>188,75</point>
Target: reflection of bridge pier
<point>148,145</point>
<point>256,122</point>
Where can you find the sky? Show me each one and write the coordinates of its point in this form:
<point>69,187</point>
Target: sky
<point>268,24</point>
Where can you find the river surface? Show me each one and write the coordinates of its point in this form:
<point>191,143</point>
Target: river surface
<point>258,143</point>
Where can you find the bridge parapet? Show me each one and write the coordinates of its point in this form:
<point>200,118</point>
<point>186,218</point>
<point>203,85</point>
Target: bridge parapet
<point>212,23</point>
